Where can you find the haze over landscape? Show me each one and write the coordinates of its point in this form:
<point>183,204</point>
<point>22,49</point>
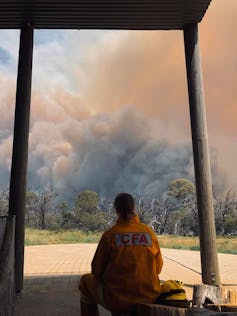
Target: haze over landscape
<point>110,108</point>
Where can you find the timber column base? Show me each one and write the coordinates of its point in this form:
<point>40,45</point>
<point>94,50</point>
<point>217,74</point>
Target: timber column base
<point>204,295</point>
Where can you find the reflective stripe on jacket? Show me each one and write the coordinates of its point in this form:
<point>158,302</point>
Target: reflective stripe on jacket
<point>127,262</point>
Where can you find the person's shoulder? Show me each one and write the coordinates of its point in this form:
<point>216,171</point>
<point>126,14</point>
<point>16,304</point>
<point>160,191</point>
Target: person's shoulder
<point>146,227</point>
<point>109,232</point>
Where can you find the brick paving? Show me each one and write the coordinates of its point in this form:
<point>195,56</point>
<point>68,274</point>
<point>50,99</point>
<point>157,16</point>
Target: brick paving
<point>52,274</point>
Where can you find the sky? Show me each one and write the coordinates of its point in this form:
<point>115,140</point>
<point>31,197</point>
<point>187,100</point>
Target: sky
<point>110,110</point>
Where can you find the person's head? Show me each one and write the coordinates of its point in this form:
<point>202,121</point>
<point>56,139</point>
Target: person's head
<point>124,205</point>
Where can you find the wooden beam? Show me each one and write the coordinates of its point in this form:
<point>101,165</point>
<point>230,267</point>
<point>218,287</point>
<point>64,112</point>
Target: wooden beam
<point>20,148</point>
<point>207,232</point>
<point>161,310</point>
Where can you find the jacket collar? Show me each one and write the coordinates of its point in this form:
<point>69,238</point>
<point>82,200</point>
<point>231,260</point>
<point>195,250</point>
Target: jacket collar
<point>133,219</point>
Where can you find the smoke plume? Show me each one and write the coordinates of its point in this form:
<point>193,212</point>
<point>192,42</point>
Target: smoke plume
<point>110,109</point>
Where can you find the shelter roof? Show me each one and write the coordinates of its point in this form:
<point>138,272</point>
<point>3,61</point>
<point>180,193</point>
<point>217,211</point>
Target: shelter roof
<point>102,14</point>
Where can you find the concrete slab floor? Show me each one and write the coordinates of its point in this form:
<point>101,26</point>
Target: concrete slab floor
<point>52,273</point>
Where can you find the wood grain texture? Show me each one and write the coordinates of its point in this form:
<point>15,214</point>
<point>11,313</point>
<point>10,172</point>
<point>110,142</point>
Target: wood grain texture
<point>7,275</point>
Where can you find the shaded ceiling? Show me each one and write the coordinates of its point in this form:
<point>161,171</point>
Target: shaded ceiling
<point>102,14</point>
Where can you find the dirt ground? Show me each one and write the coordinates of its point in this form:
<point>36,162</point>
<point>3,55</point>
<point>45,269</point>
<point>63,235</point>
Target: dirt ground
<point>52,273</point>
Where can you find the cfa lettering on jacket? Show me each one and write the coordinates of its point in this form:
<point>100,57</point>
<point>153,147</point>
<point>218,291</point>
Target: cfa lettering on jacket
<point>133,239</point>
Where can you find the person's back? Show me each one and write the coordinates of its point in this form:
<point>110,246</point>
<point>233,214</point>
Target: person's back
<point>131,275</point>
<point>127,260</point>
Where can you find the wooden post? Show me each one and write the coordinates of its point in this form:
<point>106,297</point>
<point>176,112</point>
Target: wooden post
<point>7,260</point>
<point>207,232</point>
<point>20,148</point>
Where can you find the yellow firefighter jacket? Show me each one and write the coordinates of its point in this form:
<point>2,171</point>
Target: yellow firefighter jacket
<point>127,263</point>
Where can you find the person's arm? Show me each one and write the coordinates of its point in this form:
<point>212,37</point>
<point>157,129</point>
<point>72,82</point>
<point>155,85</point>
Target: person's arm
<point>159,260</point>
<point>100,259</point>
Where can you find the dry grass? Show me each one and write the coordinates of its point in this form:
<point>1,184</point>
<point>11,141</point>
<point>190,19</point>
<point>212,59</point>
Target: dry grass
<point>44,237</point>
<point>224,244</point>
<point>179,242</point>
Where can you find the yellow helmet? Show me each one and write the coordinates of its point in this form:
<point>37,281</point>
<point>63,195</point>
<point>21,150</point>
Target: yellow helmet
<point>172,290</point>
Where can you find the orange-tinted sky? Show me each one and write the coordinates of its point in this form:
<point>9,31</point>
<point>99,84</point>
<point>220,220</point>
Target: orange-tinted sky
<point>147,70</point>
<point>87,84</point>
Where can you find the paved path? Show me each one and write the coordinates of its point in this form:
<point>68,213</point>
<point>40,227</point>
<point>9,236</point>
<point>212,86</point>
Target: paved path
<point>74,259</point>
<point>52,273</point>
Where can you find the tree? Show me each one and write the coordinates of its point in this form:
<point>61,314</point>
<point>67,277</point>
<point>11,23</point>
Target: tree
<point>226,214</point>
<point>145,210</point>
<point>45,207</point>
<point>181,189</point>
<point>109,214</point>
<point>67,217</point>
<point>30,211</point>
<point>163,208</point>
<point>87,202</point>
<point>156,212</point>
<point>40,208</point>
<point>87,213</point>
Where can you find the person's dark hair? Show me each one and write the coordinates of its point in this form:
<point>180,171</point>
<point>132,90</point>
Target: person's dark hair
<point>124,204</point>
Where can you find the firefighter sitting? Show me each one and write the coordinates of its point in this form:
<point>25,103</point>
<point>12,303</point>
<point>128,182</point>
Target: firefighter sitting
<point>125,266</point>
